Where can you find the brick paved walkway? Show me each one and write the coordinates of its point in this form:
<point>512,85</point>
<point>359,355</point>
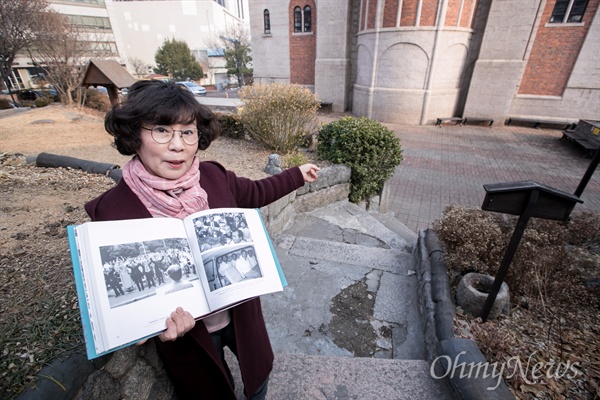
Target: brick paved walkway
<point>450,165</point>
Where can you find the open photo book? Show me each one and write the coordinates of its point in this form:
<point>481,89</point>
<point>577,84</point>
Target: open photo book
<point>131,274</point>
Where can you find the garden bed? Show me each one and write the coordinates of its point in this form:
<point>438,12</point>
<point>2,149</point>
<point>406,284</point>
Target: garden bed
<point>549,344</point>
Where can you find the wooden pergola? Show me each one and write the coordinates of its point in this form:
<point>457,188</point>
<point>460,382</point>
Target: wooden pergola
<point>110,74</point>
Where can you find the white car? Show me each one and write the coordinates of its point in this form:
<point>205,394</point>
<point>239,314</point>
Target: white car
<point>196,89</point>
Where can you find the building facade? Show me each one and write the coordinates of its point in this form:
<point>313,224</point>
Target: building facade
<point>412,61</point>
<point>147,24</point>
<point>96,24</point>
<point>130,31</point>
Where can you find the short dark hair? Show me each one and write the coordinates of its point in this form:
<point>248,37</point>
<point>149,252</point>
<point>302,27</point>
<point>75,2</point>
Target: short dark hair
<point>158,103</point>
<point>174,272</point>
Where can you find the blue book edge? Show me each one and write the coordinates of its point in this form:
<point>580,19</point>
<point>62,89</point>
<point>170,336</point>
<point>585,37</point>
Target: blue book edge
<point>88,335</point>
<point>279,269</point>
<point>83,307</point>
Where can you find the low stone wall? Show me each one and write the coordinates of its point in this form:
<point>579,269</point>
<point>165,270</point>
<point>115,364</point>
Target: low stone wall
<point>136,372</point>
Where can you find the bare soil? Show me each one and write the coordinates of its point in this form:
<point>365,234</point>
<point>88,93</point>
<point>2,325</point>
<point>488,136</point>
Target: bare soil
<point>63,131</point>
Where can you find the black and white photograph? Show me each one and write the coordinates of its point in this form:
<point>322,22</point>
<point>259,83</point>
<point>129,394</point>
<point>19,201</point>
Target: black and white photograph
<point>231,264</point>
<point>135,271</point>
<point>221,229</point>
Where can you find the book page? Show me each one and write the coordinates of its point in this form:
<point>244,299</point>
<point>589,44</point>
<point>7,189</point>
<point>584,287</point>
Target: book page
<point>239,262</point>
<point>141,271</point>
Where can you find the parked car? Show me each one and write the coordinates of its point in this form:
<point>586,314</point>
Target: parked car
<point>31,95</point>
<point>196,89</point>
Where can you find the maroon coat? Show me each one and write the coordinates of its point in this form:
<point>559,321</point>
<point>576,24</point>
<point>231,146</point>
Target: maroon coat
<point>192,360</point>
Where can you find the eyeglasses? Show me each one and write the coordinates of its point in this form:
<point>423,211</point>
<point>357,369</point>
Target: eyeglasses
<point>164,134</point>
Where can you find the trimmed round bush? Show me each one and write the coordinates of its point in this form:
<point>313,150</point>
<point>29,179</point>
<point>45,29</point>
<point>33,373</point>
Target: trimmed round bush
<point>4,104</point>
<point>371,150</point>
<point>231,126</point>
<point>43,101</point>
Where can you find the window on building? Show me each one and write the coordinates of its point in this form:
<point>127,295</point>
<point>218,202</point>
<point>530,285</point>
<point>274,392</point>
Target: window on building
<point>307,21</point>
<point>568,11</point>
<point>267,21</point>
<point>88,22</point>
<point>100,2</point>
<point>297,19</point>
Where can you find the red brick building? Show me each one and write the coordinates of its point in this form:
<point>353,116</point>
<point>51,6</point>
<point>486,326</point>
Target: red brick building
<point>411,61</point>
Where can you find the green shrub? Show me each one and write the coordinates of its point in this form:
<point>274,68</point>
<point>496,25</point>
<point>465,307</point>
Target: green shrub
<point>96,100</point>
<point>231,126</point>
<point>4,103</point>
<point>371,151</point>
<point>280,117</point>
<point>43,101</point>
<point>294,160</point>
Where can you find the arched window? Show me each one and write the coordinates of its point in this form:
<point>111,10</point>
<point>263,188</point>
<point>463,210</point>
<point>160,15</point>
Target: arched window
<point>297,19</point>
<point>307,20</point>
<point>267,21</point>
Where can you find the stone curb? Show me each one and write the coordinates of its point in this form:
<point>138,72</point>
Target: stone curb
<point>458,359</point>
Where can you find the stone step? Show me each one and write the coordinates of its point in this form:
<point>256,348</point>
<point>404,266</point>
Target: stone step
<point>324,377</point>
<point>352,288</point>
<point>347,223</point>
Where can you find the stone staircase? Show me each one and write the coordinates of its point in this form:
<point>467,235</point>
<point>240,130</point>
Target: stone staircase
<point>348,325</point>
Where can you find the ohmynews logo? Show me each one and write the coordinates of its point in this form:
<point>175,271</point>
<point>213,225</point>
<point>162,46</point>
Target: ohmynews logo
<point>530,372</point>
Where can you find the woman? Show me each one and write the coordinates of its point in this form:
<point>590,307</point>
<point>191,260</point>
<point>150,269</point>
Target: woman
<point>163,126</point>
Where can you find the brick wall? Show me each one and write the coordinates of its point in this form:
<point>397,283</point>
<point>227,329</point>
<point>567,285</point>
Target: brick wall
<point>452,12</point>
<point>465,21</point>
<point>554,53</point>
<point>428,12</point>
<point>409,13</point>
<point>372,14</point>
<point>390,12</point>
<point>303,47</point>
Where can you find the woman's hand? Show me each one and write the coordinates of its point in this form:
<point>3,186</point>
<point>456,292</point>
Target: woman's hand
<point>309,172</point>
<point>178,324</point>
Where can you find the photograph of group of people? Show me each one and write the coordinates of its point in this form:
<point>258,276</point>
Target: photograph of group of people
<point>221,229</point>
<point>227,250</point>
<point>134,271</point>
<point>230,265</point>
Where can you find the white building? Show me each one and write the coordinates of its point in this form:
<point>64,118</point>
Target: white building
<point>145,25</point>
<point>94,19</point>
<point>133,30</point>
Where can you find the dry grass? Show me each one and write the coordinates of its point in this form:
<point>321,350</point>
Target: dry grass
<point>555,304</point>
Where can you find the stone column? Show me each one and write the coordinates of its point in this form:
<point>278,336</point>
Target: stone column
<point>332,66</point>
<point>499,68</point>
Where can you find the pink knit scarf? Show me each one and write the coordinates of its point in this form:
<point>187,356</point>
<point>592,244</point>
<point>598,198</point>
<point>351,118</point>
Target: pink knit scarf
<point>166,197</point>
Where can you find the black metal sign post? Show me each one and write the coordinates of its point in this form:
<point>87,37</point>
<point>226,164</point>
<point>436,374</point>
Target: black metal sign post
<point>510,252</point>
<point>527,199</point>
<point>588,174</point>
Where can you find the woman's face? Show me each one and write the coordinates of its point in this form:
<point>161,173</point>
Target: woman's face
<point>169,160</point>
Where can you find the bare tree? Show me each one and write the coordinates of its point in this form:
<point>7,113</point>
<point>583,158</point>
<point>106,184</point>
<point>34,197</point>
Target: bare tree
<point>19,21</point>
<point>235,42</point>
<point>139,67</point>
<point>63,50</point>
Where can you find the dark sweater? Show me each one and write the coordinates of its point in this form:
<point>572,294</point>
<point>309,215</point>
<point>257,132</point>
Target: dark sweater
<point>192,361</point>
